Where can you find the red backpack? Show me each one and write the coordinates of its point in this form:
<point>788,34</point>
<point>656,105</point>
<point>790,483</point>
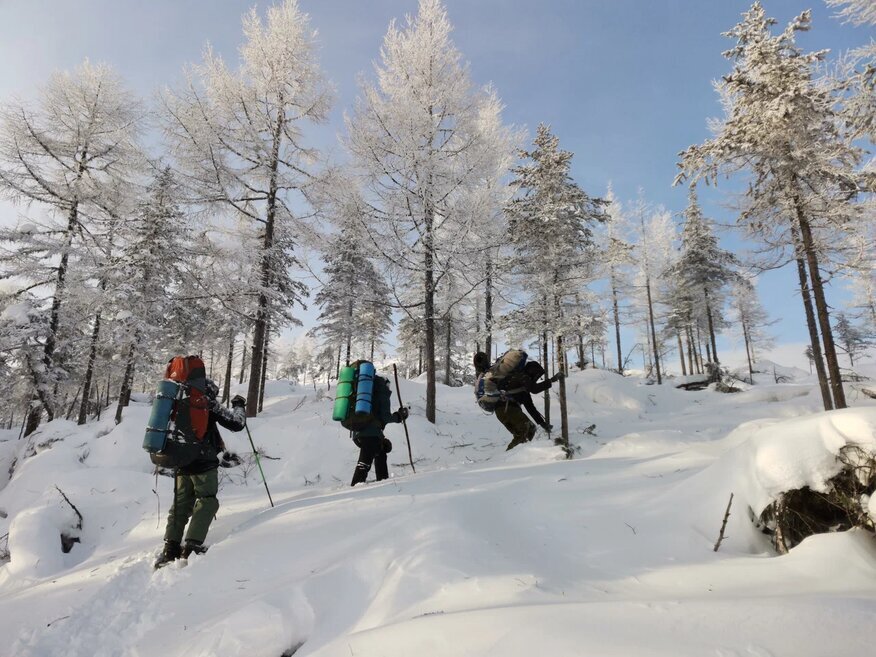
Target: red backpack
<point>192,411</point>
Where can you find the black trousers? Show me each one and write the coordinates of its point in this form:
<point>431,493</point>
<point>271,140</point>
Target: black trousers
<point>370,451</point>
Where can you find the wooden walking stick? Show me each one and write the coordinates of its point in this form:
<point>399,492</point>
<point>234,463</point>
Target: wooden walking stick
<point>404,421</point>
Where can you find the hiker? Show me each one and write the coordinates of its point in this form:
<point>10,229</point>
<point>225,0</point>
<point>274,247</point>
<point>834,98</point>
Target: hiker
<point>515,389</point>
<point>196,484</point>
<point>362,406</point>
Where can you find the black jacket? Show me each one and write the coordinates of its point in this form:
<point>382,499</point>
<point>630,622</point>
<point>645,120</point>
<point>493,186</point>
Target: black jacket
<point>233,419</point>
<point>381,412</point>
<point>524,397</point>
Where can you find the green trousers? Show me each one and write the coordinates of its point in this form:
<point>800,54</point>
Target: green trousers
<point>194,497</point>
<point>514,419</point>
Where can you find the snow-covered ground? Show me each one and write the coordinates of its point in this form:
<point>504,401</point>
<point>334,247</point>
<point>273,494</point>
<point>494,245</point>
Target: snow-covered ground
<point>481,552</point>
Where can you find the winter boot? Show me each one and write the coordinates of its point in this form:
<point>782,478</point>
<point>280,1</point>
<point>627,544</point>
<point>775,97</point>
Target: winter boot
<point>193,547</point>
<point>172,552</point>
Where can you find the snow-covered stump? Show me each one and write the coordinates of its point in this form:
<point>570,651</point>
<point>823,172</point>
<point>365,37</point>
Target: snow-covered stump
<point>846,502</point>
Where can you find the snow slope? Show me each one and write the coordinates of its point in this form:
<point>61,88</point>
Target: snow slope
<point>481,552</point>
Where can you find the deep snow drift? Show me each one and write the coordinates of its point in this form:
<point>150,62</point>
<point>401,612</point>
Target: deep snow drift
<point>481,552</point>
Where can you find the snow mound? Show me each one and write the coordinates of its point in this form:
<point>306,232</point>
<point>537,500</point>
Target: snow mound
<point>768,368</point>
<point>770,457</point>
<point>34,541</point>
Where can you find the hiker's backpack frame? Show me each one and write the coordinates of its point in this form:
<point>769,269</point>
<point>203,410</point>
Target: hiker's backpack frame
<point>362,398</point>
<point>491,388</point>
<point>177,427</point>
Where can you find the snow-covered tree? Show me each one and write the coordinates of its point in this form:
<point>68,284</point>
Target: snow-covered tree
<point>858,12</point>
<point>422,137</point>
<point>238,139</point>
<point>355,299</point>
<point>851,339</point>
<point>751,319</point>
<point>158,249</point>
<point>784,127</point>
<point>550,226</point>
<point>653,234</point>
<point>65,157</point>
<point>616,259</point>
<point>703,268</point>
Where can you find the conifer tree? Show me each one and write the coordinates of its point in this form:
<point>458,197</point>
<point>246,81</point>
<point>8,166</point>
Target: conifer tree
<point>68,154</point>
<point>237,136</point>
<point>355,306</point>
<point>550,227</point>
<point>784,127</point>
<point>752,319</point>
<point>852,339</point>
<point>653,236</point>
<point>703,268</point>
<point>157,247</point>
<point>617,258</point>
<point>423,137</point>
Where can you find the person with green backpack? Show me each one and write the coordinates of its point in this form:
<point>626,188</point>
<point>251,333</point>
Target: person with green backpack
<point>363,406</point>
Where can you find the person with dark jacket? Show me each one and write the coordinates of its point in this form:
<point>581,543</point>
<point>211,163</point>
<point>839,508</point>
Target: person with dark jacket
<point>518,390</point>
<point>373,445</point>
<point>196,484</point>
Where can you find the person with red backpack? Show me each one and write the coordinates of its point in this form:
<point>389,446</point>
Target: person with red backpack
<point>197,482</point>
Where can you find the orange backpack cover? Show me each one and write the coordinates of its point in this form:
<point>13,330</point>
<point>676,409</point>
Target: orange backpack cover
<point>192,412</point>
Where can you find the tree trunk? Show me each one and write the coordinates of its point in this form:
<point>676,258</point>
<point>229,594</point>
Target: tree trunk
<point>226,386</point>
<point>349,328</point>
<point>617,337</point>
<point>690,354</point>
<point>243,360</point>
<point>125,388</point>
<point>564,416</point>
<point>447,345</point>
<point>89,369</point>
<point>814,340</point>
<point>711,326</point>
<point>836,382</point>
<point>429,309</point>
<point>680,352</point>
<point>477,324</point>
<point>699,349</point>
<point>488,306</point>
<point>562,364</point>
<point>338,364</point>
<point>264,372</point>
<point>747,339</point>
<point>547,393</point>
<point>260,337</point>
<point>653,330</point>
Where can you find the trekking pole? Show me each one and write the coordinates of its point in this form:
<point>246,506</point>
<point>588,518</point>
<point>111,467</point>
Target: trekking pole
<point>404,422</point>
<point>259,463</point>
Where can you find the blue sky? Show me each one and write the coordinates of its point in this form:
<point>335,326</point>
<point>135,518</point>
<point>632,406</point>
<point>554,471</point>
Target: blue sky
<point>625,84</point>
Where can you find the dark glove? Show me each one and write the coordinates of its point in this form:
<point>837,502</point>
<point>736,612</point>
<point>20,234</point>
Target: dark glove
<point>238,400</point>
<point>229,460</point>
<point>557,377</point>
<point>386,445</point>
<point>401,414</point>
<point>547,427</point>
